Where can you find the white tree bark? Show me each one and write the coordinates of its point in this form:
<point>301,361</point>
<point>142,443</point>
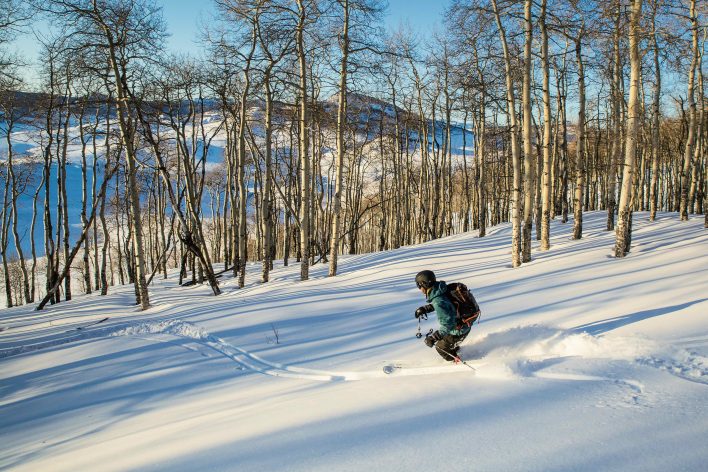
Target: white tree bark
<point>515,152</point>
<point>622,240</point>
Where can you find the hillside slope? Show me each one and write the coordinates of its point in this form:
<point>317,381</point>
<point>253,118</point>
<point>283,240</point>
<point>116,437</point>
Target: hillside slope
<point>583,362</point>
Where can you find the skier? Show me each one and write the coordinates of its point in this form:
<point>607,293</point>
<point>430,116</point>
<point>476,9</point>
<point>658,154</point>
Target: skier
<point>449,335</point>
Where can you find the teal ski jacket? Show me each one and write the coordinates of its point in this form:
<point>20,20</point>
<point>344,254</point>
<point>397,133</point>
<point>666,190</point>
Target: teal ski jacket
<point>445,310</point>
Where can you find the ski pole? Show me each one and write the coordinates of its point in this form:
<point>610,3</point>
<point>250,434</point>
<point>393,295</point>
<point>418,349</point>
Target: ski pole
<point>419,334</point>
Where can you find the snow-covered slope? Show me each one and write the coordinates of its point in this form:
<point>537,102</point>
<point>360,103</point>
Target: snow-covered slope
<point>27,144</point>
<point>583,362</point>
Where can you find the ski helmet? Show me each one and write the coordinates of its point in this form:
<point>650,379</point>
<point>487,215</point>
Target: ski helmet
<point>425,279</point>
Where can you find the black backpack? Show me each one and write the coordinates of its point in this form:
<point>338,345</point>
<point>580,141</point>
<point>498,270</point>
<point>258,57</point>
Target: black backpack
<point>468,311</point>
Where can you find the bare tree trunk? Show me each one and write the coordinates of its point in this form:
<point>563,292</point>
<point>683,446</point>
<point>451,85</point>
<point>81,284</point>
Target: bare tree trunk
<point>267,190</point>
<point>656,110</point>
<point>700,130</point>
<point>84,196</point>
<point>106,242</point>
<point>119,226</point>
<point>546,188</point>
<point>79,243</point>
<point>563,166</point>
<point>4,228</point>
<point>633,117</point>
<point>135,212</point>
<point>515,154</point>
<point>61,190</point>
<point>94,180</point>
<point>9,116</point>
<point>616,99</point>
<point>33,248</point>
<point>102,211</point>
<point>127,137</point>
<point>529,155</point>
<point>691,139</point>
<point>242,191</point>
<point>304,148</point>
<point>341,145</point>
<point>580,150</point>
<point>480,120</point>
<point>232,165</point>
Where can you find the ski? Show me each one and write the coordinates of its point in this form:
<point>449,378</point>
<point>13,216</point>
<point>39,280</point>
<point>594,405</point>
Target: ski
<point>390,369</point>
<point>399,369</point>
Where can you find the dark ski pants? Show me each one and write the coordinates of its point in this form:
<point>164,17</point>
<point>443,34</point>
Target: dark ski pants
<point>447,347</point>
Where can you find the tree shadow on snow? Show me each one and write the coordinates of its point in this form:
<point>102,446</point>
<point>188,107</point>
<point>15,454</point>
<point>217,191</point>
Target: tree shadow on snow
<point>601,327</point>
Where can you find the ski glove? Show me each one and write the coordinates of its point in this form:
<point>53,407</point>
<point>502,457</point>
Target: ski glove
<point>422,311</point>
<point>431,339</point>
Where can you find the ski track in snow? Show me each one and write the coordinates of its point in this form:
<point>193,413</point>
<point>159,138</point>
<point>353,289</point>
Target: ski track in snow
<point>514,353</point>
<point>245,359</point>
<point>525,351</point>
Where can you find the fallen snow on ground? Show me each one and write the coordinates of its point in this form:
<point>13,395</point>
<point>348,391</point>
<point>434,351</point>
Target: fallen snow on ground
<point>581,362</point>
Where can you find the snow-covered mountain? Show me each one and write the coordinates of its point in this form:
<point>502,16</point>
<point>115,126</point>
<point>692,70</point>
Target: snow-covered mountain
<point>27,138</point>
<point>583,362</point>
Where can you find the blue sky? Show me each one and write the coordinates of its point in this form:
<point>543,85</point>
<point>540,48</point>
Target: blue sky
<point>183,19</point>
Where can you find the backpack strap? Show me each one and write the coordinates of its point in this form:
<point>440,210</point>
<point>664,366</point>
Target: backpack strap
<point>470,320</point>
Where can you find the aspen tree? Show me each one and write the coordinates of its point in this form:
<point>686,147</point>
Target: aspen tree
<point>617,118</point>
<point>580,163</point>
<point>241,153</point>
<point>102,198</point>
<point>61,174</point>
<point>94,182</point>
<point>698,148</point>
<point>341,145</point>
<point>304,144</point>
<point>274,46</point>
<point>656,111</point>
<point>691,138</point>
<point>86,266</point>
<point>111,168</point>
<point>481,150</point>
<point>116,33</point>
<point>633,116</point>
<point>5,218</point>
<point>16,183</point>
<point>513,136</point>
<point>529,161</point>
<point>546,181</point>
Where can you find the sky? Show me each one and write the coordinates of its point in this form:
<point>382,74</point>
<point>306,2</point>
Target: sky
<point>184,17</point>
